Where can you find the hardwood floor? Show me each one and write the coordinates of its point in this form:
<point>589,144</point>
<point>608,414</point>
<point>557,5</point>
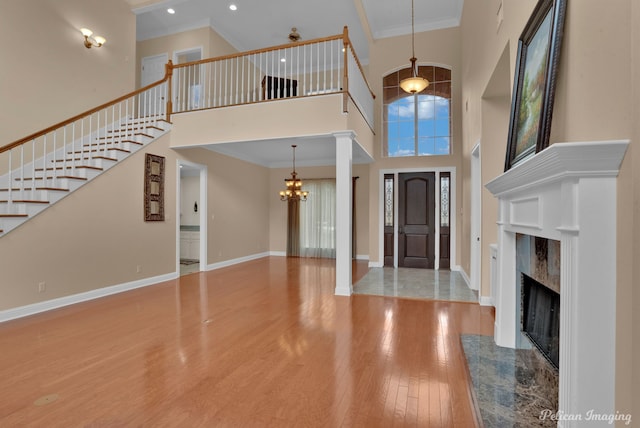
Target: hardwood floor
<point>264,343</point>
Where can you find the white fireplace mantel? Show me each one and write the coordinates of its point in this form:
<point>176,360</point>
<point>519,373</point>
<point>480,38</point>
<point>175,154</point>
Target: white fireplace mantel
<point>567,192</point>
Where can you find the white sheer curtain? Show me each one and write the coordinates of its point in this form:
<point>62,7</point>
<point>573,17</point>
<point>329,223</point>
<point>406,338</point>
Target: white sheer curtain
<point>318,219</point>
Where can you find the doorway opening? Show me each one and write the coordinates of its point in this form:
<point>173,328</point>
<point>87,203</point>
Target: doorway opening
<point>191,212</point>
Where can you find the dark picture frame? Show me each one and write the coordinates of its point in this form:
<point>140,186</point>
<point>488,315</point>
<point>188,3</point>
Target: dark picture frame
<point>153,187</point>
<point>534,83</point>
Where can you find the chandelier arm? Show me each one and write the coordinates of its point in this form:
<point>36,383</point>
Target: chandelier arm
<point>413,36</point>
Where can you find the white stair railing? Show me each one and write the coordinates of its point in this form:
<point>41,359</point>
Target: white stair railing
<point>51,159</point>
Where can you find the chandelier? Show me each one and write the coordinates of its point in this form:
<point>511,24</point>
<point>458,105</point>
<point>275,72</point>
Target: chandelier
<point>414,83</point>
<point>294,191</point>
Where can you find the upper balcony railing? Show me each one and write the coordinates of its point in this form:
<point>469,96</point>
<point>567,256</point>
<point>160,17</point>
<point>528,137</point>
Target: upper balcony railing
<point>300,69</point>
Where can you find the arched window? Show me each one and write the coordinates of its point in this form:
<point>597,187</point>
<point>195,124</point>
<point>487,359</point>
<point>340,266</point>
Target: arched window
<point>417,124</point>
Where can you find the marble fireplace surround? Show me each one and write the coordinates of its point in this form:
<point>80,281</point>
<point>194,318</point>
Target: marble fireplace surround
<point>567,192</point>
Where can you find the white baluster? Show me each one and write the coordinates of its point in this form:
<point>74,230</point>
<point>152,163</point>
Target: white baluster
<point>33,166</point>
<point>55,165</point>
<point>10,186</point>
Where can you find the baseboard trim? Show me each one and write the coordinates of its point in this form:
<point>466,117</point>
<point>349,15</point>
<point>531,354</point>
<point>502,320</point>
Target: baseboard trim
<point>232,262</point>
<point>36,308</point>
<point>462,273</point>
<point>278,253</point>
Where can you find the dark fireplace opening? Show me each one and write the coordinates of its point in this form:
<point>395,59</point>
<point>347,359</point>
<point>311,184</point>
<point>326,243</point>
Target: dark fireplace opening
<point>541,318</point>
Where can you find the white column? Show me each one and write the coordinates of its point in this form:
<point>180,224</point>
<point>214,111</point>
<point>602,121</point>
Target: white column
<point>344,157</point>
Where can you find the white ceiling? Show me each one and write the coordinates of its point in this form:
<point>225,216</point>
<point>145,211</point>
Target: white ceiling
<point>261,23</point>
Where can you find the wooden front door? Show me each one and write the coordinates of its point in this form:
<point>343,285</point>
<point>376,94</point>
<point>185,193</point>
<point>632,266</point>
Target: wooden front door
<point>416,220</point>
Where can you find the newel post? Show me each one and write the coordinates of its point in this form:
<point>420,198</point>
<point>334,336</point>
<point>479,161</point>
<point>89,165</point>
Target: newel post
<point>345,84</point>
<point>169,75</point>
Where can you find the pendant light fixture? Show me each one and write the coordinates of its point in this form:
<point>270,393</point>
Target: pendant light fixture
<point>414,83</point>
<point>294,184</point>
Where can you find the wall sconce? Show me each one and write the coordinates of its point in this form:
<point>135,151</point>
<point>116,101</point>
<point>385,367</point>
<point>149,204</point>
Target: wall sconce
<point>89,41</point>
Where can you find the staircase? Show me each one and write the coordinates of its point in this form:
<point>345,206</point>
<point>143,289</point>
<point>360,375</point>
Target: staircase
<point>34,186</point>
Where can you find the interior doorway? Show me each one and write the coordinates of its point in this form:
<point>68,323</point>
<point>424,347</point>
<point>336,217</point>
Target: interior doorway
<point>191,212</point>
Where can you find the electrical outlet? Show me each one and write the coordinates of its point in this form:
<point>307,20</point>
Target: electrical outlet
<point>42,287</point>
<point>138,268</point>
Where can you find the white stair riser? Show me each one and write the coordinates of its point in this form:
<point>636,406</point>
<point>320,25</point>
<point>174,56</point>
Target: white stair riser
<point>22,208</point>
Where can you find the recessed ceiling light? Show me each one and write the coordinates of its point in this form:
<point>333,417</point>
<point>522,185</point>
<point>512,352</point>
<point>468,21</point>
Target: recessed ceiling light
<point>171,11</point>
<point>233,7</point>
<point>283,60</point>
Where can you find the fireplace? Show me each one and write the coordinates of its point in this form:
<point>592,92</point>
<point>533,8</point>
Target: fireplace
<point>566,194</point>
<point>541,318</point>
<point>538,281</point>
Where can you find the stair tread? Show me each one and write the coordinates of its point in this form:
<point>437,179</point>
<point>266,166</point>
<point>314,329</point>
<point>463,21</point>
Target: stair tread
<point>118,149</point>
<point>116,142</point>
<point>13,215</point>
<point>91,158</point>
<point>97,168</point>
<point>135,134</point>
<point>70,177</point>
<point>25,201</point>
<point>135,128</point>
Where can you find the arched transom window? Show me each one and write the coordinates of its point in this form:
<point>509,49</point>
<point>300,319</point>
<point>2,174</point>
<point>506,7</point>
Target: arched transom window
<point>417,124</point>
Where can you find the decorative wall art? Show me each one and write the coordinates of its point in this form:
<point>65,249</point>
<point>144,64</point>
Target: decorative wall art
<point>153,188</point>
<point>534,83</point>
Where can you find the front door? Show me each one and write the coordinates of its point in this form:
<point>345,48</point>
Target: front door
<point>416,220</point>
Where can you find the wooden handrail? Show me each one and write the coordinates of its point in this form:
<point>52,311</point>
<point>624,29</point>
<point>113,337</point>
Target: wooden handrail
<point>343,36</point>
<point>82,115</point>
<point>259,51</point>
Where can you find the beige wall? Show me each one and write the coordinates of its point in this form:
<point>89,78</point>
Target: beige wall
<point>441,47</point>
<point>96,237</point>
<point>628,391</point>
<point>278,209</point>
<point>47,74</point>
<point>596,47</point>
<point>211,43</point>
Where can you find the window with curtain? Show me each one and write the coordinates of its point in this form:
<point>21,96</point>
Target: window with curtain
<point>318,219</point>
<point>418,124</point>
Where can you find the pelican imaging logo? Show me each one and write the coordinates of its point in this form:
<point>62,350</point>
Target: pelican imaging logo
<point>589,416</point>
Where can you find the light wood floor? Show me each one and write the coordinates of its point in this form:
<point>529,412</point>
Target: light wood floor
<point>264,343</point>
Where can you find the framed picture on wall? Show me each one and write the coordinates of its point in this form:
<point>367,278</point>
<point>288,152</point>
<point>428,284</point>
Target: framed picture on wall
<point>534,83</point>
<point>153,188</point>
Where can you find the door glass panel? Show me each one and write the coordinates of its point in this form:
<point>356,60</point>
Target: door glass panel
<point>444,201</point>
<point>388,201</point>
